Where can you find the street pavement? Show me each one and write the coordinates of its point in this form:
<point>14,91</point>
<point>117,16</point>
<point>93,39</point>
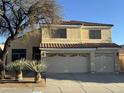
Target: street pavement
<point>76,83</point>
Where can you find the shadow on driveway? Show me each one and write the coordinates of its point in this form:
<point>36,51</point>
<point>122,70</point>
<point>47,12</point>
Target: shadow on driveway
<point>94,78</point>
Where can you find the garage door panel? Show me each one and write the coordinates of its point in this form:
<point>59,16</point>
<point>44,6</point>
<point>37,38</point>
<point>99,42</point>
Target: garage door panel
<point>77,64</point>
<point>104,63</point>
<point>55,64</point>
<point>67,64</point>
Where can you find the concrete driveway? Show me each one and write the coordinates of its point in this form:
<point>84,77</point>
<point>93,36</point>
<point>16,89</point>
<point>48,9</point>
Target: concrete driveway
<point>77,83</point>
<point>84,83</point>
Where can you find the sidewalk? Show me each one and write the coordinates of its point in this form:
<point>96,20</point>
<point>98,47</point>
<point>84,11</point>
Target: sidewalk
<point>86,89</point>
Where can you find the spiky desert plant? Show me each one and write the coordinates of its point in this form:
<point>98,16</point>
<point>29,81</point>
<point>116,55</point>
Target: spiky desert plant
<point>17,66</point>
<point>37,67</point>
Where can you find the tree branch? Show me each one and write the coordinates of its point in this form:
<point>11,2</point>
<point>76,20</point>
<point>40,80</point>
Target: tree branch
<point>6,18</point>
<point>4,27</point>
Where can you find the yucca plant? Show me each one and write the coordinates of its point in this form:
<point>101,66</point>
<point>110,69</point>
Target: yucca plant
<point>37,68</point>
<point>17,66</point>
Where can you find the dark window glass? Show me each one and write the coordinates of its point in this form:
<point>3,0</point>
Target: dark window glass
<point>36,53</point>
<point>18,54</point>
<point>18,50</point>
<point>59,33</point>
<point>15,57</point>
<point>98,34</point>
<point>91,34</point>
<point>95,34</point>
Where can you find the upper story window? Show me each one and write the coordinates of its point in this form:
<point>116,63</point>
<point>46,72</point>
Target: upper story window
<point>94,34</point>
<point>59,33</point>
<point>18,54</point>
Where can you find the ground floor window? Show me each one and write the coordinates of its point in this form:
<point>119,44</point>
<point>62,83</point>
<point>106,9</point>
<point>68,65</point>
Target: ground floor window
<point>36,53</point>
<point>18,54</point>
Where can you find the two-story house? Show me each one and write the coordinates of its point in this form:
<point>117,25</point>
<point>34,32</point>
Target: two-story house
<point>71,47</point>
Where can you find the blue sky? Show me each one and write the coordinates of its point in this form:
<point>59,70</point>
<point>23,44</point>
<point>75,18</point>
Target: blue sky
<point>104,11</point>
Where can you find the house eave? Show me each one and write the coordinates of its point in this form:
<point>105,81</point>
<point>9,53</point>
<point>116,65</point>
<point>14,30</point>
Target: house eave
<point>64,26</point>
<point>67,49</point>
<point>78,49</point>
<point>96,27</point>
<point>104,48</point>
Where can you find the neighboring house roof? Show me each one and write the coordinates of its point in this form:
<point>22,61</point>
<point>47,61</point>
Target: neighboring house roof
<point>121,51</point>
<point>79,45</point>
<point>122,46</point>
<point>84,23</point>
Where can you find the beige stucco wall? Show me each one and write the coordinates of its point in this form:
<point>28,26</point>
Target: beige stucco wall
<point>25,42</point>
<point>73,36</point>
<point>105,36</point>
<point>79,34</point>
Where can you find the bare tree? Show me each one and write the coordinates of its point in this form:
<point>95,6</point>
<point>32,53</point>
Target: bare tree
<point>15,15</point>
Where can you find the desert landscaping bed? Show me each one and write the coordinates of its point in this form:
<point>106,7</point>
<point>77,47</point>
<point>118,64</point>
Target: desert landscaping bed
<point>27,82</point>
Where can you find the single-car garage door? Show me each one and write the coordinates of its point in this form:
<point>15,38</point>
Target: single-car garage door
<point>104,62</point>
<point>68,63</point>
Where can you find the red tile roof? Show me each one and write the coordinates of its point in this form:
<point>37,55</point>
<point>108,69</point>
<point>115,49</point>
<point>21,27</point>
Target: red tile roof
<point>84,23</point>
<point>85,45</point>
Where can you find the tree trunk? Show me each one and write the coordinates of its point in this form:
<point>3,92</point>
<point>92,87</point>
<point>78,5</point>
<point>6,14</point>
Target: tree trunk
<point>6,45</point>
<point>1,70</point>
<point>4,54</point>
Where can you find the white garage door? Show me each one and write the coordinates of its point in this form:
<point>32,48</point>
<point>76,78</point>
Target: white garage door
<point>104,62</point>
<point>68,64</point>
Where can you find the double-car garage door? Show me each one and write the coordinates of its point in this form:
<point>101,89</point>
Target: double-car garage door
<point>68,63</point>
<point>79,63</point>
